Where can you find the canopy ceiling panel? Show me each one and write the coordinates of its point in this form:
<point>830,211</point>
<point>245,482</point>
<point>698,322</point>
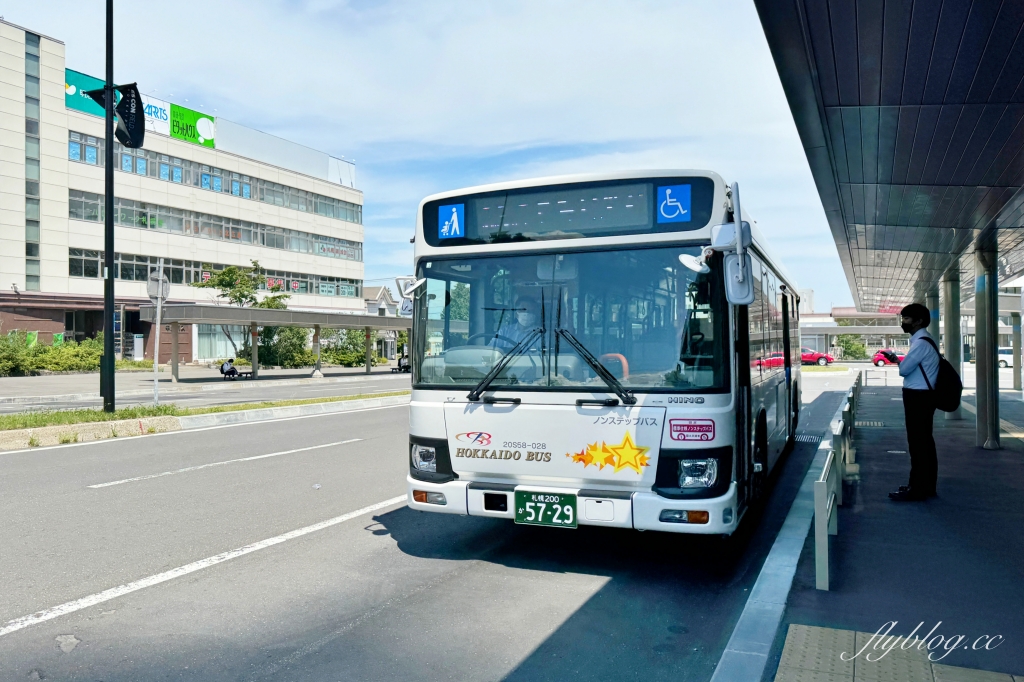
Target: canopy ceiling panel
<point>911,113</point>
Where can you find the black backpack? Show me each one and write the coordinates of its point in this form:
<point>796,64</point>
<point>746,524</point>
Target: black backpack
<point>948,386</point>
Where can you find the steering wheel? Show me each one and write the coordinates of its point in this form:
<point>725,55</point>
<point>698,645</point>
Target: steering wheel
<point>489,335</point>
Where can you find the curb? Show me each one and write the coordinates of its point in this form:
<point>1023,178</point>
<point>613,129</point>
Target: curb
<point>22,439</point>
<point>200,421</point>
<point>222,386</point>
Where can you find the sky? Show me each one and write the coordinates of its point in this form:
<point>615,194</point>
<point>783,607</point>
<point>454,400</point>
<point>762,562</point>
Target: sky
<point>434,96</point>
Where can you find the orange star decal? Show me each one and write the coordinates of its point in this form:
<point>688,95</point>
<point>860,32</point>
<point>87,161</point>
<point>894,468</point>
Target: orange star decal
<point>625,455</point>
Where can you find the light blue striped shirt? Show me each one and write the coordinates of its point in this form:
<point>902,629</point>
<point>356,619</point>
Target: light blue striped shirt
<point>921,354</point>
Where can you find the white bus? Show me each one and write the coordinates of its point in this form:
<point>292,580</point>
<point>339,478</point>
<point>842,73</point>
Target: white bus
<point>608,350</point>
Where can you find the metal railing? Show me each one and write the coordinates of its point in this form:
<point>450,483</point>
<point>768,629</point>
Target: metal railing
<point>828,488</point>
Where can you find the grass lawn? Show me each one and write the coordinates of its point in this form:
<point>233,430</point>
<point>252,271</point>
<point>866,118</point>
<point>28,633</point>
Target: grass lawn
<point>818,368</point>
<point>35,420</point>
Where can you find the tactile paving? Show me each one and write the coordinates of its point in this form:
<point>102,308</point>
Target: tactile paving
<point>948,673</point>
<point>892,669</point>
<point>911,651</point>
<point>819,649</point>
<point>801,675</point>
<point>812,654</point>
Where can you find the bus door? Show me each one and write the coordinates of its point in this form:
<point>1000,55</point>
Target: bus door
<point>787,354</point>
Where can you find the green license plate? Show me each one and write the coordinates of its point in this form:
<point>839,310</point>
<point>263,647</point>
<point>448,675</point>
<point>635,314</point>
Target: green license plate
<point>546,509</point>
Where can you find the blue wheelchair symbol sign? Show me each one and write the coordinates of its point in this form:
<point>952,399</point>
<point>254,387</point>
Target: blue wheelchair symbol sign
<point>450,221</point>
<point>674,204</point>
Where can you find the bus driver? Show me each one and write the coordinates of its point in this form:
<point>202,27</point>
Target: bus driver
<point>525,320</point>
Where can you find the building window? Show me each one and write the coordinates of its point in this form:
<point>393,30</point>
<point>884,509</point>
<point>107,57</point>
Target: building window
<point>133,268</point>
<point>89,206</point>
<point>212,179</point>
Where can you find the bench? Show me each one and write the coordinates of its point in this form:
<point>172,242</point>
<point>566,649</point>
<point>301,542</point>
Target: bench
<point>243,374</point>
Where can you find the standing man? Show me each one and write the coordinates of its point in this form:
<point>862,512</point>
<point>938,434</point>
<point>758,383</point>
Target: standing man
<point>920,372</point>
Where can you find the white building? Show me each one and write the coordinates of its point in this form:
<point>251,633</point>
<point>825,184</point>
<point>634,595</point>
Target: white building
<point>202,194</point>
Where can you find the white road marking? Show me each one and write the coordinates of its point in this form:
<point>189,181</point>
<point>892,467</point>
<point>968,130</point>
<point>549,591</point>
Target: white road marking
<point>218,464</point>
<point>115,592</point>
<point>107,441</point>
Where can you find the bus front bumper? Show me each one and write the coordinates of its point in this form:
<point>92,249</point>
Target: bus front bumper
<point>642,511</point>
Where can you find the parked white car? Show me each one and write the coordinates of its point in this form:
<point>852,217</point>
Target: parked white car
<point>1006,357</point>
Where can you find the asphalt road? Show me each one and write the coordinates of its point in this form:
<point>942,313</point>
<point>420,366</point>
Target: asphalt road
<point>231,393</point>
<point>387,594</point>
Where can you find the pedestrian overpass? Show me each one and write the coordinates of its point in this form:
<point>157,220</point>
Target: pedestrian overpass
<point>911,114</point>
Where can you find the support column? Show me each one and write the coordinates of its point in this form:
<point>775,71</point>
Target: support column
<point>317,374</point>
<point>931,301</point>
<point>368,347</point>
<point>255,351</point>
<point>174,351</point>
<point>986,318</point>
<point>951,333</point>
<point>1015,320</point>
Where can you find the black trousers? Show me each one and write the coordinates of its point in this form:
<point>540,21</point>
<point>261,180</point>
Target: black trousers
<point>919,410</point>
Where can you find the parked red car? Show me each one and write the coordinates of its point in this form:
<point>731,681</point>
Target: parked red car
<point>886,356</point>
<point>813,357</point>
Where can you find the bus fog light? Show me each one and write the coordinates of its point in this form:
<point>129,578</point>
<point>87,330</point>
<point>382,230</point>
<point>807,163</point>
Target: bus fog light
<point>424,458</point>
<point>698,473</point>
<point>727,515</point>
<point>683,516</point>
<point>423,497</point>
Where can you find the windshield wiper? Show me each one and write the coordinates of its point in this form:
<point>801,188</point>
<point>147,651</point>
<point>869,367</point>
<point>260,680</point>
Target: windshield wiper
<point>626,396</point>
<point>517,349</point>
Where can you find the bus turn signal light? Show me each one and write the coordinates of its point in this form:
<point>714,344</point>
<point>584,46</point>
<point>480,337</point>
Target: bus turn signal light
<point>683,516</point>
<point>423,497</point>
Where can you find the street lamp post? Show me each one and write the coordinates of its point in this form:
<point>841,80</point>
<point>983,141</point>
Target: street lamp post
<point>107,366</point>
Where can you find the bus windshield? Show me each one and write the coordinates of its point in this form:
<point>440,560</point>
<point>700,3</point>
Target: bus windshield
<point>653,323</point>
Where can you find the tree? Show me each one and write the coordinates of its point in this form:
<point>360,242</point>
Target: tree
<point>853,347</point>
<point>240,286</point>
<point>458,309</point>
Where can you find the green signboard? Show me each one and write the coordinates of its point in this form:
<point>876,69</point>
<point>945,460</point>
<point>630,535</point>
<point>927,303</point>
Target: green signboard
<point>192,126</point>
<point>75,85</point>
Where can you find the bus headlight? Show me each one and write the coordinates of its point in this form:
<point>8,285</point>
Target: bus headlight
<point>698,473</point>
<point>424,458</point>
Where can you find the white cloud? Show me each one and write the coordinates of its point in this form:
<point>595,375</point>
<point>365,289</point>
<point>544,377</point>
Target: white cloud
<point>431,96</point>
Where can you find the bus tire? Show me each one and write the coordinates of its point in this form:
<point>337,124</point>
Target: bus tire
<point>758,479</point>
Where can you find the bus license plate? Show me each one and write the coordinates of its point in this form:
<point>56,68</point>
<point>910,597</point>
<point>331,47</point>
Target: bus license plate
<point>546,509</point>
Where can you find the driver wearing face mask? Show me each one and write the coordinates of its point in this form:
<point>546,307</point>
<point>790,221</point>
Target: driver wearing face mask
<point>525,320</point>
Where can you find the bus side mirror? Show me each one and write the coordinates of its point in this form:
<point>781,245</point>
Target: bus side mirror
<point>738,292</point>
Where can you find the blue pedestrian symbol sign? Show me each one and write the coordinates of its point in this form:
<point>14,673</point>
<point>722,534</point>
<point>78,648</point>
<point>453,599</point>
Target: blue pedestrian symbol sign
<point>450,221</point>
<point>674,204</point>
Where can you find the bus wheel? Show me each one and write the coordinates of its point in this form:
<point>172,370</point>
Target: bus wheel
<point>760,457</point>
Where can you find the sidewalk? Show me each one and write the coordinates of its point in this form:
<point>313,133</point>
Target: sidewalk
<point>956,561</point>
<point>191,378</point>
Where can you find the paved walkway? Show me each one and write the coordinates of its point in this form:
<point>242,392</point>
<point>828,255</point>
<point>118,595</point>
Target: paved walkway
<point>954,563</point>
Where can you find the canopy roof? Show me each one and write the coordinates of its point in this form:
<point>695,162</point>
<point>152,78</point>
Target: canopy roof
<point>911,113</point>
<point>198,313</point>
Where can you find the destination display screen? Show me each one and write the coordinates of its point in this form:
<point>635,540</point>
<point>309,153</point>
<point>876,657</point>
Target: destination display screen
<point>572,211</point>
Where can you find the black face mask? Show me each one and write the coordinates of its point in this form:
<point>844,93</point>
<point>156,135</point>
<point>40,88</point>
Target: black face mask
<point>908,328</point>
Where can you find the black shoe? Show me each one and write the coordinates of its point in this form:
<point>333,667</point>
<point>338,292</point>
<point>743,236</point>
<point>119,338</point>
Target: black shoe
<point>905,494</point>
